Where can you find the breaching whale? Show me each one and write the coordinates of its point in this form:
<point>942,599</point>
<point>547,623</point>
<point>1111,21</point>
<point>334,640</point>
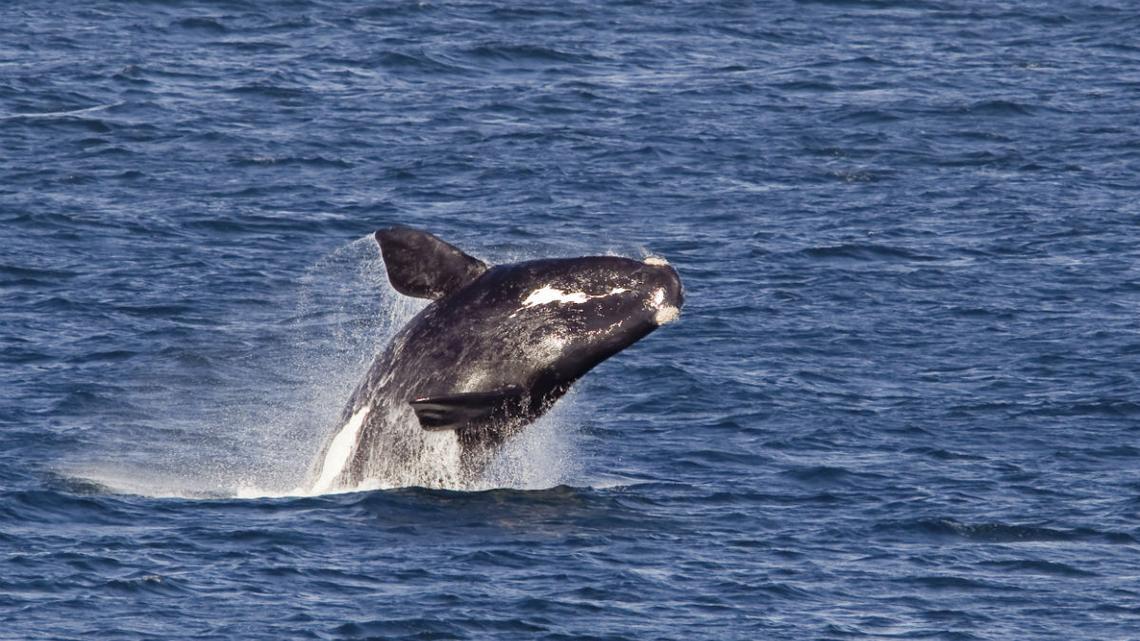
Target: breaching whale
<point>493,351</point>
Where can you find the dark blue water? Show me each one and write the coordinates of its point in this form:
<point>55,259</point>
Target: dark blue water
<point>902,400</point>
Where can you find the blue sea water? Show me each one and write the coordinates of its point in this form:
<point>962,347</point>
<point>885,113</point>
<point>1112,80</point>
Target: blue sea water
<point>901,402</point>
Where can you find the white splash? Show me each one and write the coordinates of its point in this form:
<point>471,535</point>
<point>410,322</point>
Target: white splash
<point>339,451</point>
<point>257,436</point>
<point>656,261</point>
<point>439,462</point>
<point>547,453</point>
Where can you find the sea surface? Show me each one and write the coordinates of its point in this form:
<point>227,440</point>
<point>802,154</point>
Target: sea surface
<point>902,400</point>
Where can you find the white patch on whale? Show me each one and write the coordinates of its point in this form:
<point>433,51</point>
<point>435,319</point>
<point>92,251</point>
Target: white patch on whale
<point>339,451</point>
<point>664,313</point>
<point>546,294</point>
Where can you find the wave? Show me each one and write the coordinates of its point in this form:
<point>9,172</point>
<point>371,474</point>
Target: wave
<point>998,532</point>
<point>62,114</point>
<point>866,252</point>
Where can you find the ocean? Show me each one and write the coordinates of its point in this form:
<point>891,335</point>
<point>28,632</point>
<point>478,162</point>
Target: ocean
<point>902,400</point>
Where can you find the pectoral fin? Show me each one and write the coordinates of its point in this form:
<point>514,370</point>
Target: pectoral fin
<point>473,409</point>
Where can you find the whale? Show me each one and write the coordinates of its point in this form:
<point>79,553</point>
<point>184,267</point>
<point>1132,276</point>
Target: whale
<point>494,350</point>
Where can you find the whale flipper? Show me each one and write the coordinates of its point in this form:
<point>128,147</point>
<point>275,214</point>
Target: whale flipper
<point>470,410</point>
<point>423,266</point>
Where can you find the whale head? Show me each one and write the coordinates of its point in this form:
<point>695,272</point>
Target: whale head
<point>587,309</point>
